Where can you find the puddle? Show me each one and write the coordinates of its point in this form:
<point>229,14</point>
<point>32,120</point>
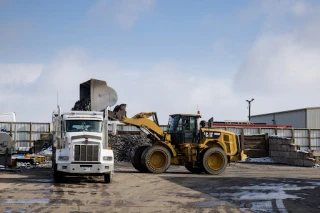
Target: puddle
<point>45,191</point>
<point>38,180</point>
<point>209,204</point>
<point>25,201</point>
<point>8,210</point>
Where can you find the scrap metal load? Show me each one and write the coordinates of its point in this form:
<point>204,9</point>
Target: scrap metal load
<point>123,146</point>
<point>82,105</point>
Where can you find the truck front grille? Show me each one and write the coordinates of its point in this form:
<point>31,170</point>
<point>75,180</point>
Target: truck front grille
<point>86,153</point>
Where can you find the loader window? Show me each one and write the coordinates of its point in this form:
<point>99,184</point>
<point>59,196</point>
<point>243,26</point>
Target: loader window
<point>176,124</point>
<point>83,125</point>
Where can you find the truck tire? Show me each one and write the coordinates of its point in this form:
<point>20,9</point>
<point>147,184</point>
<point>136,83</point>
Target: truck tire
<point>214,161</point>
<point>57,176</point>
<point>136,159</point>
<point>107,178</point>
<point>157,159</point>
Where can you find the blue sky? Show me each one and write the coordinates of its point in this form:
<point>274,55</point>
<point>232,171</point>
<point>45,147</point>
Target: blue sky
<point>170,30</point>
<point>165,56</point>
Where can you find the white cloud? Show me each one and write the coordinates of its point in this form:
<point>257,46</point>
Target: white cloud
<point>163,88</point>
<point>284,66</point>
<point>124,13</point>
<point>299,8</point>
<point>16,74</point>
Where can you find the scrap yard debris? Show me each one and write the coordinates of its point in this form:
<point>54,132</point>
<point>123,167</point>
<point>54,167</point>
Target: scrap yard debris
<point>82,105</point>
<point>124,145</point>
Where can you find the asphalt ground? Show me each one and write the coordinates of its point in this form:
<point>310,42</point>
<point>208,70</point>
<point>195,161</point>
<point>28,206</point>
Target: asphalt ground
<point>243,187</point>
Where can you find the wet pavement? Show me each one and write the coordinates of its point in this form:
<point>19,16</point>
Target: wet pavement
<point>243,187</point>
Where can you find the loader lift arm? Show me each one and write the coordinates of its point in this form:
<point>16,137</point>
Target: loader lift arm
<point>140,120</point>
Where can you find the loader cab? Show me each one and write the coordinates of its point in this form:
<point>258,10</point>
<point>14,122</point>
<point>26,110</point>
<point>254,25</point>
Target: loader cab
<point>183,128</point>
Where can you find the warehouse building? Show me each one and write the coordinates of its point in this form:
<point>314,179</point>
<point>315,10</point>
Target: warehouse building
<point>298,118</point>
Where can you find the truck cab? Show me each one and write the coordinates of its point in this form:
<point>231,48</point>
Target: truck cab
<point>80,145</point>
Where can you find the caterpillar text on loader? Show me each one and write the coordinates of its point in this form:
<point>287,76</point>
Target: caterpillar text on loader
<point>186,142</point>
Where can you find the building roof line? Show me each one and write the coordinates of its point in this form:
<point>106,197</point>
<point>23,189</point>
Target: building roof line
<point>293,110</point>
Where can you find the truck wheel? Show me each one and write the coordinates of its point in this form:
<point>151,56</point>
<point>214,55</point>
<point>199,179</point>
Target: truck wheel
<point>214,161</point>
<point>107,178</point>
<point>57,176</point>
<point>194,170</point>
<point>136,159</point>
<point>156,158</point>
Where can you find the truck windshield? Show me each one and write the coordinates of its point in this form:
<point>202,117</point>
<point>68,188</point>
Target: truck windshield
<point>83,125</point>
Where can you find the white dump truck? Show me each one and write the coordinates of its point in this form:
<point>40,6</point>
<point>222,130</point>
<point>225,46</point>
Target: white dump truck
<point>80,145</point>
<point>80,136</point>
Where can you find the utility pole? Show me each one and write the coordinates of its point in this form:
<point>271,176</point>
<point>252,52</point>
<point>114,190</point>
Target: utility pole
<point>250,107</point>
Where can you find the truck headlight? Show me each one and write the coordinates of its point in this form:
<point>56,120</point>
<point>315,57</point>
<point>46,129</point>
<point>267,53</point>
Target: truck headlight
<point>107,158</point>
<point>65,158</point>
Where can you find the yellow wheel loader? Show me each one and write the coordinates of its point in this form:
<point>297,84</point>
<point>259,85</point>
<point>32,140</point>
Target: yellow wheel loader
<point>187,141</point>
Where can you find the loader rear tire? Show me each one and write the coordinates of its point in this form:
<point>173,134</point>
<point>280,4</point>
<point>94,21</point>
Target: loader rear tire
<point>194,170</point>
<point>157,159</point>
<point>214,161</point>
<point>136,159</point>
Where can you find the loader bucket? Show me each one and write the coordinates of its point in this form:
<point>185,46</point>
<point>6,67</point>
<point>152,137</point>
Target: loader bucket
<point>118,113</point>
<point>95,95</point>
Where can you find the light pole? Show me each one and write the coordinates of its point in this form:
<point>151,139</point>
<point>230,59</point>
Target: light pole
<point>250,106</point>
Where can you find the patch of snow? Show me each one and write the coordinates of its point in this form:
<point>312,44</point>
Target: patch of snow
<point>264,206</point>
<point>47,151</point>
<point>261,196</point>
<point>24,165</point>
<point>303,151</point>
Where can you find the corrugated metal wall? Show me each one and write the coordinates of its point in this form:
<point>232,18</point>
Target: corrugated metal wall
<point>262,119</point>
<point>313,118</point>
<point>297,119</point>
<point>25,133</point>
<point>306,138</point>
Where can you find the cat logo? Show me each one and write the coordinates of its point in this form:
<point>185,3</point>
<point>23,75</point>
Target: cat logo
<point>210,134</point>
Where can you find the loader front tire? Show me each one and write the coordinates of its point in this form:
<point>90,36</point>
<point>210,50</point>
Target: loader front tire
<point>214,161</point>
<point>136,159</point>
<point>157,159</point>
